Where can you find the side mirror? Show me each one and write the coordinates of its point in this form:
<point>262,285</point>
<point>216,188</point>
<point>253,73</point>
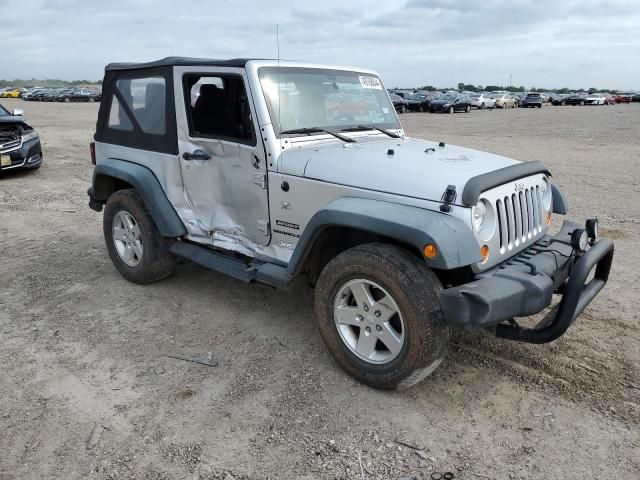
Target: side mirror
<point>17,112</point>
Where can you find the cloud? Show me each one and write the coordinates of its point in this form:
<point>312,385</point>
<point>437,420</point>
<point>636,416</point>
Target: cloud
<point>439,42</point>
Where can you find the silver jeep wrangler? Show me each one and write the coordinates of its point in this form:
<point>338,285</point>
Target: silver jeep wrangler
<point>267,170</point>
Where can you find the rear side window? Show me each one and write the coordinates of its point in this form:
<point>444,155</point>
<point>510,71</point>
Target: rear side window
<point>138,111</point>
<point>145,99</point>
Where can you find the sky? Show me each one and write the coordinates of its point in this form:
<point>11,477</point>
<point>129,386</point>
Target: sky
<point>542,43</point>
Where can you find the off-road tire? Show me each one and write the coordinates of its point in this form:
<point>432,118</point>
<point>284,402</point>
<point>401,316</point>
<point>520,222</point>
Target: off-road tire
<point>414,287</point>
<point>157,263</point>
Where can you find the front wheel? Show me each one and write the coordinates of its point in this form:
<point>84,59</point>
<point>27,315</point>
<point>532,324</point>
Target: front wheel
<point>451,109</point>
<point>468,109</point>
<point>379,315</point>
<point>136,247</point>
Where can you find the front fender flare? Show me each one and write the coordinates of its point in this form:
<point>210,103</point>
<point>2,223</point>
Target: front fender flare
<point>456,244</point>
<point>146,185</point>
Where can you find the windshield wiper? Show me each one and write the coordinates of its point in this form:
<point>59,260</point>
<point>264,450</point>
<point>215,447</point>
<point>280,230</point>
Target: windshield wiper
<point>370,127</point>
<point>310,130</point>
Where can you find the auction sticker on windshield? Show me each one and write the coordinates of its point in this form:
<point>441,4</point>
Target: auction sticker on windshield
<point>370,82</point>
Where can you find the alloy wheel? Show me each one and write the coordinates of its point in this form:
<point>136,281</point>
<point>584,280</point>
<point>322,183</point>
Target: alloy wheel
<point>127,238</point>
<point>369,321</point>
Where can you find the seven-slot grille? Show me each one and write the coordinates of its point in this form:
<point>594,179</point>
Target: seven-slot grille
<point>521,217</point>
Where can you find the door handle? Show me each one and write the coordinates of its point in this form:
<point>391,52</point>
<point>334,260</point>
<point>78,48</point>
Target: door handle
<point>197,155</point>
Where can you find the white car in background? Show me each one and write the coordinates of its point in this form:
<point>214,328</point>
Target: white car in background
<point>482,101</point>
<point>596,99</point>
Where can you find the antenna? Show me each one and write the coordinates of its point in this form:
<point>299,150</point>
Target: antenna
<point>278,76</point>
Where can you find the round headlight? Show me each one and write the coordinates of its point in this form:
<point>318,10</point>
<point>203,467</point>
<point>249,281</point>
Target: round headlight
<point>484,220</point>
<point>545,190</point>
<point>479,212</point>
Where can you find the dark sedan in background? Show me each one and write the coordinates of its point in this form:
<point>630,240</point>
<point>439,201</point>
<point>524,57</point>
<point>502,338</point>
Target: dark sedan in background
<point>400,104</point>
<point>418,102</point>
<point>580,99</point>
<point>19,143</point>
<point>451,103</point>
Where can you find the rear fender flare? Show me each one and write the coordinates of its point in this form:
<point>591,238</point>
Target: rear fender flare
<point>146,185</point>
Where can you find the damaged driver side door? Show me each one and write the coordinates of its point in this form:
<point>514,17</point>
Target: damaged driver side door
<point>222,160</point>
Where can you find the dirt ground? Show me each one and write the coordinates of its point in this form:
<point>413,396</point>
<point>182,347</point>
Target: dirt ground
<point>87,389</point>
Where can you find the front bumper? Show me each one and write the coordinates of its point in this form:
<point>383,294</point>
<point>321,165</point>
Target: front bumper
<point>28,156</point>
<point>525,284</point>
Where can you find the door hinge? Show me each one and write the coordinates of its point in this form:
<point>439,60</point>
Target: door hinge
<point>260,179</point>
<point>264,226</point>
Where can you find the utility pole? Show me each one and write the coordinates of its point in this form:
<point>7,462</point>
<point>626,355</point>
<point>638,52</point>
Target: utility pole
<point>510,75</point>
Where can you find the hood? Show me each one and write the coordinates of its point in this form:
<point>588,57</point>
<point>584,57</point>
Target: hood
<point>410,171</point>
<point>11,119</point>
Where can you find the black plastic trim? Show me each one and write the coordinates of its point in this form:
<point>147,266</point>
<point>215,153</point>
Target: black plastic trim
<point>179,61</point>
<point>576,296</point>
<point>486,181</point>
<point>146,185</point>
<point>456,244</point>
<point>559,205</point>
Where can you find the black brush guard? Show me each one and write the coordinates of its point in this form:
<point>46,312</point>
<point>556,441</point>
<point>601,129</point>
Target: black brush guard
<point>576,296</point>
<point>524,285</point>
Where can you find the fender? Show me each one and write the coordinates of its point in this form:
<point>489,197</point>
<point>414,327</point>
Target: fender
<point>559,204</point>
<point>456,244</point>
<point>146,185</point>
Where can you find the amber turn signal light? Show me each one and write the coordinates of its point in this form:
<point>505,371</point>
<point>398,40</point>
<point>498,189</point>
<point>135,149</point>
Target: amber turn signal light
<point>430,250</point>
<point>484,251</point>
<point>548,218</point>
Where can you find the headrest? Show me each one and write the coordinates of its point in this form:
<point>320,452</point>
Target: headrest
<point>211,99</point>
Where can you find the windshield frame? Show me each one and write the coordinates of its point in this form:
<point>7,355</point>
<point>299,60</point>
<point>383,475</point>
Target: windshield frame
<point>4,112</point>
<point>275,123</point>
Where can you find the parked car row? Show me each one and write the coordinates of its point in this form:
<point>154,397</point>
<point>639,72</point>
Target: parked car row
<point>595,99</point>
<point>66,95</point>
<point>452,101</point>
<point>41,94</point>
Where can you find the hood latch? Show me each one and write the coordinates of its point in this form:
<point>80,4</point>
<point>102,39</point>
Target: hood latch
<point>448,197</point>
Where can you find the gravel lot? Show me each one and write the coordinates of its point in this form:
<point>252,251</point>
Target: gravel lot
<point>87,390</point>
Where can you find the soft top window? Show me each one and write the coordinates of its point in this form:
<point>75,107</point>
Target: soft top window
<point>138,110</point>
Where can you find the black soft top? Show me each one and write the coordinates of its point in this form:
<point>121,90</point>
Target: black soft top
<point>179,61</point>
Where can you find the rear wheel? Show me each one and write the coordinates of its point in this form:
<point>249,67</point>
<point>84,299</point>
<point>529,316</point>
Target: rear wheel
<point>379,315</point>
<point>67,100</point>
<point>468,109</point>
<point>136,247</point>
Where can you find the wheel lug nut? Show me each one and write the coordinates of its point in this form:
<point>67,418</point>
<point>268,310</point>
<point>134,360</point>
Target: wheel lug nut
<point>359,318</point>
<point>377,313</point>
<point>378,328</point>
<point>365,308</point>
<point>368,330</point>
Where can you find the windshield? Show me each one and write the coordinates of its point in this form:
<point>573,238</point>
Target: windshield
<point>300,98</point>
<point>417,97</point>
